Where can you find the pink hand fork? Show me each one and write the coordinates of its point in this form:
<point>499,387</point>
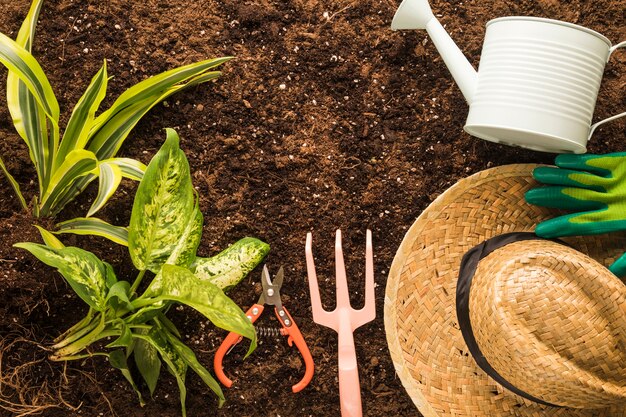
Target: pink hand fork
<point>344,320</point>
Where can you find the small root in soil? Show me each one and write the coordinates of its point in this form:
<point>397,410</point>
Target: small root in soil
<point>23,391</point>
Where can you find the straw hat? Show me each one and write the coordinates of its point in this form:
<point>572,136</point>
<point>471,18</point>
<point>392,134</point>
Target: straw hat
<point>546,320</point>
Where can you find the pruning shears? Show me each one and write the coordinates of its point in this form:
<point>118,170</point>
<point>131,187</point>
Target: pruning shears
<point>270,296</point>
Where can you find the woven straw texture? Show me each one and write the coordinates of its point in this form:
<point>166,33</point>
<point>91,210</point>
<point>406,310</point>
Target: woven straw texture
<point>424,339</point>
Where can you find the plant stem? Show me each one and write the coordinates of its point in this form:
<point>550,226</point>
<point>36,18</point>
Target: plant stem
<point>70,338</point>
<point>80,344</point>
<point>82,323</point>
<point>133,288</point>
<point>76,357</point>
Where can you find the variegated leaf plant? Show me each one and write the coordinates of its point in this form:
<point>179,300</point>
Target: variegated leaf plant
<point>162,238</point>
<point>87,150</point>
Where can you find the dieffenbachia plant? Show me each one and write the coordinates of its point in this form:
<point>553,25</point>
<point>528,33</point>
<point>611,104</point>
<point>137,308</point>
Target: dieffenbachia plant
<point>66,164</point>
<point>163,236</point>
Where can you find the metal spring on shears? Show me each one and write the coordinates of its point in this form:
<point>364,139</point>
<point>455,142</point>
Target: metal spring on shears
<point>270,331</point>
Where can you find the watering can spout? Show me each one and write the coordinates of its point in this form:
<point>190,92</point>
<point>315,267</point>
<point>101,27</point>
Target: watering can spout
<point>417,14</point>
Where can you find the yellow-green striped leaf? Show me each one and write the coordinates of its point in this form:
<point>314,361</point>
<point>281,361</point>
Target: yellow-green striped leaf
<point>49,239</point>
<point>26,68</point>
<point>111,135</point>
<point>156,85</point>
<point>78,162</point>
<point>109,177</point>
<point>131,168</point>
<point>85,273</point>
<point>29,118</point>
<point>176,283</point>
<point>14,184</point>
<point>163,207</point>
<point>79,125</point>
<point>94,227</point>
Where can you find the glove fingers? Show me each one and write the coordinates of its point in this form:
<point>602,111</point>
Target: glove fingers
<point>567,198</point>
<point>579,163</point>
<point>569,178</point>
<point>575,224</point>
<point>619,267</point>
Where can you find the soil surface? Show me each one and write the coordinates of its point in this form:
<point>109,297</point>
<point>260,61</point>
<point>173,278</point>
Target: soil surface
<point>326,119</point>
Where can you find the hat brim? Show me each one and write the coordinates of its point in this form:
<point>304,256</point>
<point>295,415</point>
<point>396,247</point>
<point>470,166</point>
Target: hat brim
<point>425,342</point>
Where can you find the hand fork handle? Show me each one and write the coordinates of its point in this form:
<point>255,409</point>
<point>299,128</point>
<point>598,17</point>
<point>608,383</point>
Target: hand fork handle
<point>349,385</point>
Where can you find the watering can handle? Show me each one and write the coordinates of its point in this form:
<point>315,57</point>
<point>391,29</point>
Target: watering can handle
<point>617,116</point>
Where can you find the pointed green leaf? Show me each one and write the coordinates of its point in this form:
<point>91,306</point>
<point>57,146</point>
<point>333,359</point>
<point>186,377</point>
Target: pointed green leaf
<point>117,359</point>
<point>167,323</point>
<point>178,284</point>
<point>79,125</point>
<point>125,339</point>
<point>21,62</point>
<point>28,115</point>
<point>93,226</point>
<point>49,239</point>
<point>27,31</point>
<point>163,207</point>
<point>190,359</point>
<point>110,176</point>
<point>116,125</point>
<point>230,266</point>
<point>14,184</point>
<point>156,85</point>
<point>175,364</point>
<point>85,273</point>
<point>118,297</point>
<point>148,362</point>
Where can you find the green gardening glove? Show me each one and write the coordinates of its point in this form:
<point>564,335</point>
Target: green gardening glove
<point>594,187</point>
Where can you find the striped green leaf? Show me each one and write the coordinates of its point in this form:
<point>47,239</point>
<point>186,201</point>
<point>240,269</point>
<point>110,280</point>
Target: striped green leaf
<point>109,137</point>
<point>49,239</point>
<point>109,177</point>
<point>94,227</point>
<point>14,184</point>
<point>131,168</point>
<point>230,266</point>
<point>19,61</point>
<point>163,207</point>
<point>85,273</point>
<point>156,85</point>
<point>176,283</point>
<point>78,162</point>
<point>77,132</point>
<point>29,117</point>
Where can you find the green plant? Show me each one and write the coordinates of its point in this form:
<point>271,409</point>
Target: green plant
<point>66,165</point>
<point>163,236</point>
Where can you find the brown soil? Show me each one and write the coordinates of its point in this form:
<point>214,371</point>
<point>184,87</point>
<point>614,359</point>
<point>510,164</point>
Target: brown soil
<point>327,119</point>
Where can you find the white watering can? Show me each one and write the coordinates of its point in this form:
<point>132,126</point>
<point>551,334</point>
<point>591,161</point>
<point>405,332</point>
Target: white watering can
<point>537,82</point>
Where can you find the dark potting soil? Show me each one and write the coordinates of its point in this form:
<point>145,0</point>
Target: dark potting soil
<point>327,119</point>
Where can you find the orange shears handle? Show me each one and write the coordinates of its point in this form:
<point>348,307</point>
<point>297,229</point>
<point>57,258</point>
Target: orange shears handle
<point>231,340</point>
<point>296,337</point>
